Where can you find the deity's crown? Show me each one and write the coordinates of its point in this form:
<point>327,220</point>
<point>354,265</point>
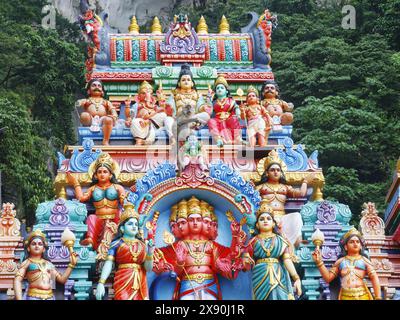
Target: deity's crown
<point>221,80</point>
<point>265,207</point>
<point>194,206</point>
<point>145,86</point>
<point>104,160</point>
<point>129,212</point>
<point>34,234</point>
<point>205,209</point>
<point>352,232</point>
<point>174,213</point>
<point>252,89</point>
<point>182,209</point>
<point>273,158</point>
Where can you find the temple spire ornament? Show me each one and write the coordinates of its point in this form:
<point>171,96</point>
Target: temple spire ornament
<point>134,27</point>
<point>202,27</point>
<point>224,26</point>
<point>156,26</point>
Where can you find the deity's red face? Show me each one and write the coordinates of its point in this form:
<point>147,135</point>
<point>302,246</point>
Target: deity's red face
<point>146,95</point>
<point>353,245</point>
<point>274,172</point>
<point>270,91</point>
<point>252,98</point>
<point>214,230</point>
<point>96,89</point>
<point>183,227</point>
<point>103,174</point>
<point>175,230</point>
<point>186,82</point>
<point>36,247</point>
<point>195,223</point>
<point>206,230</point>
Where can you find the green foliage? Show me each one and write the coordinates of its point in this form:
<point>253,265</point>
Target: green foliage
<point>40,73</point>
<point>345,85</point>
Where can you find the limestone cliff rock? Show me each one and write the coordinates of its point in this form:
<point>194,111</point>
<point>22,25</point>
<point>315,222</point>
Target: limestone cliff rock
<point>120,11</point>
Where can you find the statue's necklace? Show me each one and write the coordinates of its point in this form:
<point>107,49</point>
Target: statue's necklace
<point>270,247</point>
<point>96,104</point>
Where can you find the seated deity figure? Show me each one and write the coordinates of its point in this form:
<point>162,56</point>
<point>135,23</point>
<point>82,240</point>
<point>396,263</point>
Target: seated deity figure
<point>268,256</point>
<point>148,118</point>
<point>258,121</point>
<point>192,152</point>
<point>38,270</point>
<point>279,110</point>
<point>187,105</point>
<point>198,259</point>
<point>224,123</point>
<point>352,267</point>
<point>274,189</point>
<point>98,107</point>
<point>106,194</point>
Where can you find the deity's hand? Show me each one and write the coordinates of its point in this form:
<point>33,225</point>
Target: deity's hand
<point>71,180</point>
<point>128,123</point>
<point>316,255</point>
<point>235,228</point>
<point>224,265</point>
<point>297,287</point>
<point>100,291</point>
<point>73,258</point>
<point>180,254</point>
<point>150,247</point>
<point>290,107</point>
<point>143,123</point>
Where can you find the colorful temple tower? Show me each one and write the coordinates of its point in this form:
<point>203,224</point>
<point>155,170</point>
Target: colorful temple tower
<point>194,144</point>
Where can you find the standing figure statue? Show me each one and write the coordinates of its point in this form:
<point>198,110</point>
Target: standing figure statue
<point>269,258</point>
<point>186,105</point>
<point>224,125</point>
<point>38,270</point>
<point>149,117</point>
<point>258,121</point>
<point>352,267</point>
<point>132,258</point>
<point>274,189</point>
<point>192,152</point>
<point>106,195</point>
<point>197,259</point>
<point>96,105</point>
<point>279,110</point>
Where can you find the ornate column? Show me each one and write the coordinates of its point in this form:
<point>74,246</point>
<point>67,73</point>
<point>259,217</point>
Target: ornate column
<point>10,241</point>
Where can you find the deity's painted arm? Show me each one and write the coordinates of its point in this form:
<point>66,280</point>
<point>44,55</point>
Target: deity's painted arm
<point>121,193</point>
<point>82,197</point>
<point>62,278</point>
<point>107,268</point>
<point>19,277</point>
<point>148,263</point>
<point>247,256</point>
<point>287,107</point>
<point>236,109</point>
<point>287,261</point>
<point>112,111</point>
<point>374,279</point>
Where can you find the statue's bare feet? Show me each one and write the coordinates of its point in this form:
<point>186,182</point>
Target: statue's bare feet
<point>105,143</point>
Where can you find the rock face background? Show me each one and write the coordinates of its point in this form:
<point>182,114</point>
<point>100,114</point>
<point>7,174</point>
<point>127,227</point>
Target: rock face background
<point>120,11</point>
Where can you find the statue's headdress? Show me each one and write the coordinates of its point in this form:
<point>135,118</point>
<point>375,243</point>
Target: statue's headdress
<point>182,212</point>
<point>352,232</point>
<point>104,160</point>
<point>128,213</point>
<point>273,158</point>
<point>252,89</point>
<point>145,86</point>
<point>265,207</point>
<point>221,80</point>
<point>36,234</point>
<point>174,213</point>
<point>194,206</point>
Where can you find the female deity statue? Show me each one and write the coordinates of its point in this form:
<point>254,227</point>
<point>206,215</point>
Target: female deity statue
<point>352,267</point>
<point>186,105</point>
<point>269,257</point>
<point>259,123</point>
<point>38,270</point>
<point>132,258</point>
<point>224,125</point>
<point>149,117</point>
<point>275,191</point>
<point>105,193</point>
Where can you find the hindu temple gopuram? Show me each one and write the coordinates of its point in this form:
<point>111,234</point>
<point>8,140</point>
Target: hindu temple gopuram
<point>186,184</point>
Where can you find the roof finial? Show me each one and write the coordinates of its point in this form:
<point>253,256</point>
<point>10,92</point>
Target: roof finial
<point>224,26</point>
<point>134,27</point>
<point>202,27</point>
<point>156,26</point>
